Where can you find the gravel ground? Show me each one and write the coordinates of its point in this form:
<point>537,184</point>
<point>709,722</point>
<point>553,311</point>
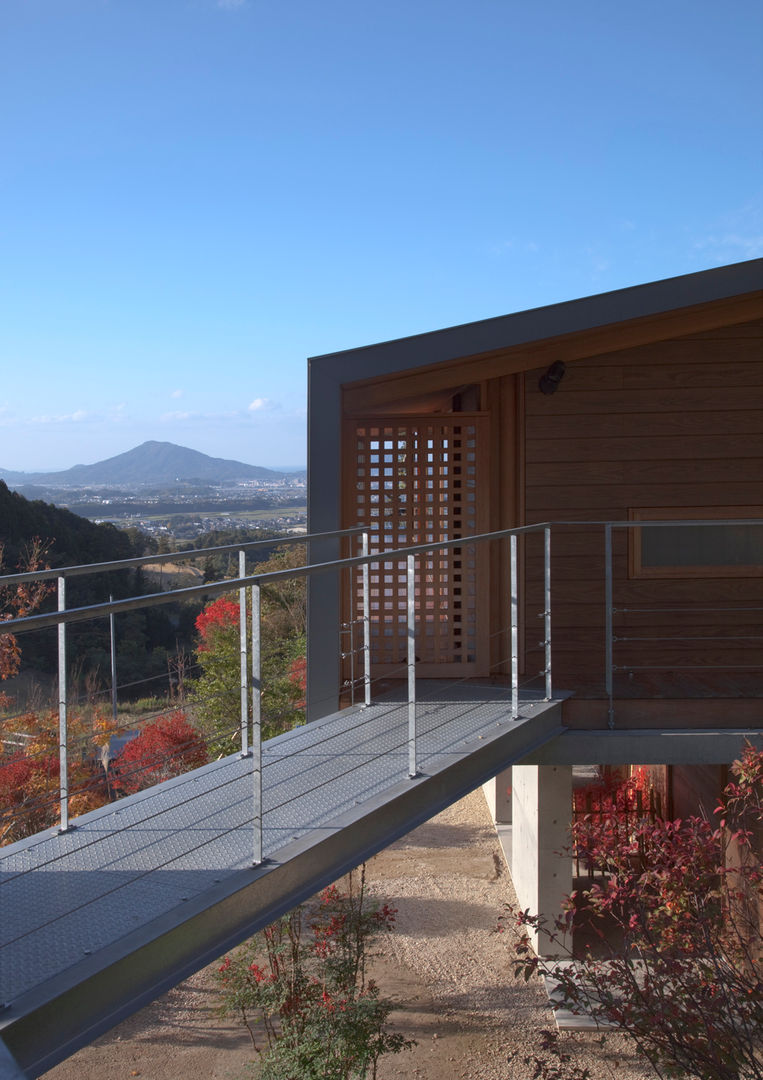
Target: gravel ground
<point>449,974</point>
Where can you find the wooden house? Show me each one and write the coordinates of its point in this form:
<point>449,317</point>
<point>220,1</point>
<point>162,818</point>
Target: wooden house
<point>640,405</point>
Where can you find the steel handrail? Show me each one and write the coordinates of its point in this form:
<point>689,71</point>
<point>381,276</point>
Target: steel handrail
<point>609,609</point>
<point>250,661</point>
<point>216,588</point>
<point>168,557</point>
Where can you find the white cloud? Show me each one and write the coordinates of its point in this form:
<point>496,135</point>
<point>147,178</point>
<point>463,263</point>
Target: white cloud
<point>65,418</point>
<point>260,404</point>
<point>170,416</point>
<point>731,247</point>
<point>735,236</point>
<point>177,393</point>
<point>513,245</point>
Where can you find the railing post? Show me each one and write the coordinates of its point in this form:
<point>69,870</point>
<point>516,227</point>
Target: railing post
<point>514,628</point>
<point>63,750</point>
<point>366,576</point>
<point>547,608</point>
<point>256,727</point>
<point>113,648</point>
<point>411,593</point>
<point>608,623</point>
<point>244,666</point>
<point>351,632</point>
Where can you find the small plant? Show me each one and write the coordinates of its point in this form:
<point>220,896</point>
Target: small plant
<point>684,978</point>
<point>551,1061</point>
<point>301,989</point>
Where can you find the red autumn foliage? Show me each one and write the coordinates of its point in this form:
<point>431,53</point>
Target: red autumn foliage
<point>29,771</point>
<point>219,615</point>
<point>679,961</point>
<point>301,989</point>
<point>167,747</point>
<point>18,601</point>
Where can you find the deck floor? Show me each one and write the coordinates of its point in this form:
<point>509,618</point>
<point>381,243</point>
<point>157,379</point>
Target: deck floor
<point>73,902</point>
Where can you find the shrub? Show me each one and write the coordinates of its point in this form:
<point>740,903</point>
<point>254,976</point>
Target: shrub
<point>167,747</point>
<point>301,989</point>
<point>685,980</point>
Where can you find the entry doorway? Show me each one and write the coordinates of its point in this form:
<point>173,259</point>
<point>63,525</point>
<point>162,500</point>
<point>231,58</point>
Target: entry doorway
<point>415,480</point>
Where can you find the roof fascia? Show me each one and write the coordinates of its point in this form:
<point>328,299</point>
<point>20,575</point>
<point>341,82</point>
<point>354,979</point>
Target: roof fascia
<point>524,329</point>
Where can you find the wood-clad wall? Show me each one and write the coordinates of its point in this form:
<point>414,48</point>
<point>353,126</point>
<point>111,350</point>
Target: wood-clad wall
<point>678,424</point>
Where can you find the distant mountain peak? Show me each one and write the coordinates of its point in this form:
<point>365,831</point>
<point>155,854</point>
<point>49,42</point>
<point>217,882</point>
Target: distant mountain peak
<point>153,462</point>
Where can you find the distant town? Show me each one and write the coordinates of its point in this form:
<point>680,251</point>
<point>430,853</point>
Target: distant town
<point>173,492</point>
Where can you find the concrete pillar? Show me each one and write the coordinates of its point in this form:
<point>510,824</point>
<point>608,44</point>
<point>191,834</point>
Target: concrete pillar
<point>498,797</point>
<point>542,809</point>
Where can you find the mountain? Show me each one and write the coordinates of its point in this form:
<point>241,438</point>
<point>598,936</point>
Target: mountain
<point>155,463</point>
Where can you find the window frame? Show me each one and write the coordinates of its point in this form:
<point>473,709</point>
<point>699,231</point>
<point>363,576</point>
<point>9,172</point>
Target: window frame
<point>636,569</point>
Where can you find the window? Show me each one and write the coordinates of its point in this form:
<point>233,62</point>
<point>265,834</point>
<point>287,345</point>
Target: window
<point>683,551</point>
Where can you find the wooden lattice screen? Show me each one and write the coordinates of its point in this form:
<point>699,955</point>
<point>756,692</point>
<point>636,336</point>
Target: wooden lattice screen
<point>414,481</point>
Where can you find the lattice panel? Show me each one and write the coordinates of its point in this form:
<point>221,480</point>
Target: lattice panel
<point>416,482</point>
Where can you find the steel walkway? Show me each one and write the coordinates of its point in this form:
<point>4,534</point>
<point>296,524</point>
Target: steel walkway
<point>98,921</point>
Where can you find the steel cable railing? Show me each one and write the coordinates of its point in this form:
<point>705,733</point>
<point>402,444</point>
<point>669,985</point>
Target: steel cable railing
<point>114,809</point>
<point>255,821</point>
<point>368,759</point>
<point>611,639</point>
<point>417,721</point>
<point>96,782</point>
<point>253,665</point>
<point>65,744</point>
<point>88,697</point>
<point>389,712</point>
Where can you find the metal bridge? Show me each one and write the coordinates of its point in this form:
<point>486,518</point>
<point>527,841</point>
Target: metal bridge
<point>101,915</point>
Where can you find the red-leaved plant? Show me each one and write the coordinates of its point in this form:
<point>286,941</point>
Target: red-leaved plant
<point>220,614</point>
<point>301,989</point>
<point>168,746</point>
<point>679,921</point>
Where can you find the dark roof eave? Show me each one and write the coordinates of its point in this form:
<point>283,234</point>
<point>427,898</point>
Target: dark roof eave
<point>537,324</point>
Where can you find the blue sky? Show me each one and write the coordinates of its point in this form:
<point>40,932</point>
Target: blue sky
<point>196,195</point>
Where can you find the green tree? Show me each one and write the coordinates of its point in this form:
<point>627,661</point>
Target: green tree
<point>216,695</point>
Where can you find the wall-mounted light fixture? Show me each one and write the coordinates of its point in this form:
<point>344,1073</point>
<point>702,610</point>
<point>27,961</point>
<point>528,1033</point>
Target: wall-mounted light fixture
<point>548,383</point>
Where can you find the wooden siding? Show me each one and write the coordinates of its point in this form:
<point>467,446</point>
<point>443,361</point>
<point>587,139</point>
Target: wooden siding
<point>675,423</point>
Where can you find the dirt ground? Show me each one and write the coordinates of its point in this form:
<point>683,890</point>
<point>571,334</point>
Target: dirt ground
<point>449,974</point>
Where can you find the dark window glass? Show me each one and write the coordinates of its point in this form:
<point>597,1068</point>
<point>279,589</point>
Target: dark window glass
<point>702,545</point>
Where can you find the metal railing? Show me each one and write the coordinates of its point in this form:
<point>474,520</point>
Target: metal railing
<point>249,588</point>
<point>611,639</point>
<point>251,658</point>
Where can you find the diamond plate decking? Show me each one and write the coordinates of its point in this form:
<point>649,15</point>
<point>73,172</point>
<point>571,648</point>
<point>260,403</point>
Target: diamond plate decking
<point>99,920</point>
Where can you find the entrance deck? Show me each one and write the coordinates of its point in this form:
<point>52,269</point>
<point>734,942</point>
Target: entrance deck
<point>100,920</point>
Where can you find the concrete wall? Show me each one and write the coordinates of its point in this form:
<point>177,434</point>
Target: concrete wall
<point>498,797</point>
<point>541,811</point>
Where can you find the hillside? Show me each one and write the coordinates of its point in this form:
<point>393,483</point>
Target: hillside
<point>146,638</point>
<point>72,539</point>
<point>155,463</point>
